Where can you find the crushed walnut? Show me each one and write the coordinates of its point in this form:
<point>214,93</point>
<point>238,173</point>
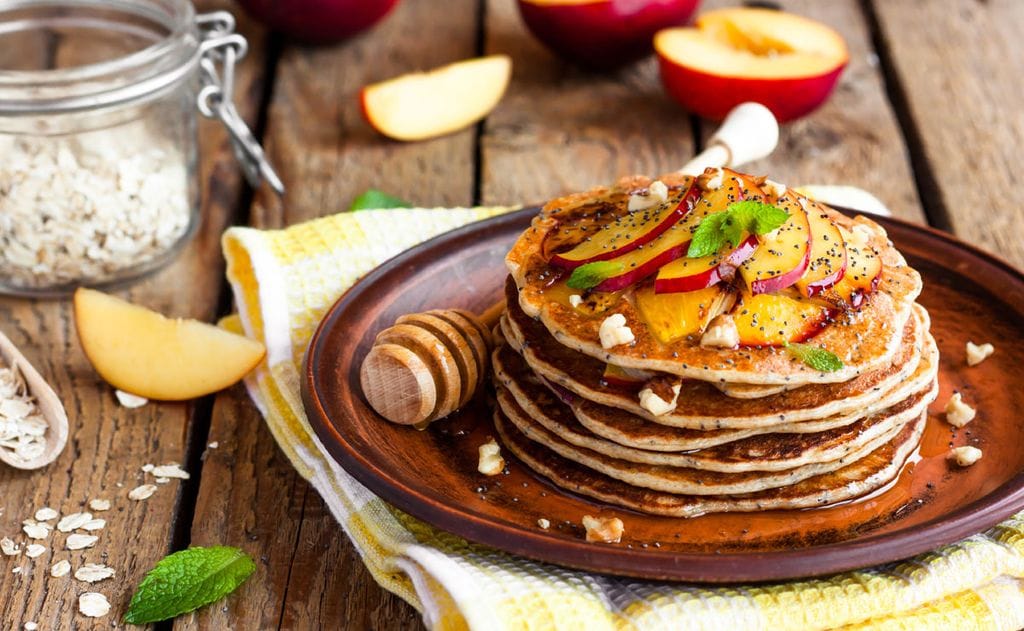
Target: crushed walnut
<point>73,210</point>
<point>721,333</point>
<point>659,395</point>
<point>22,426</point>
<point>959,413</point>
<point>965,456</point>
<point>977,353</point>
<point>491,462</point>
<point>614,332</point>
<point>603,529</point>
<point>655,195</point>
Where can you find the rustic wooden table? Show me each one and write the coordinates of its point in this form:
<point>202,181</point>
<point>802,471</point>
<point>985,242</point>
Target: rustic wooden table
<point>927,116</point>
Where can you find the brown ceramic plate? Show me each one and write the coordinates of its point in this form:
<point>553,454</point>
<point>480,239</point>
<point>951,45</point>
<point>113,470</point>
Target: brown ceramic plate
<point>432,474</point>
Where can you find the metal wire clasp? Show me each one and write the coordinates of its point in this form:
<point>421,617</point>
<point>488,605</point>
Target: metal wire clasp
<point>220,48</point>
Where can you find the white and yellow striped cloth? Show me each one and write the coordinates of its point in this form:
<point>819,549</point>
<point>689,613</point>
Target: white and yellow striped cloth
<point>283,283</point>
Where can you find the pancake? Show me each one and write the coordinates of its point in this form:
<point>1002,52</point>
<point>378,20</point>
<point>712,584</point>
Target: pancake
<point>855,480</point>
<point>866,340</point>
<point>628,434</point>
<point>684,480</point>
<point>700,405</point>
<point>768,452</point>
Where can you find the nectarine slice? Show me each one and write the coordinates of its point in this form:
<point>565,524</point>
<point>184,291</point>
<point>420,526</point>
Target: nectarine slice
<point>784,255</point>
<point>827,264</point>
<point>144,353</point>
<point>774,319</point>
<point>674,316</point>
<point>686,274</point>
<point>429,104</point>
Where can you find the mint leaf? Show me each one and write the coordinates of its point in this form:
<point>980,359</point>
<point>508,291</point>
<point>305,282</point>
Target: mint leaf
<point>709,237</point>
<point>592,274</point>
<point>187,580</point>
<point>730,225</point>
<point>377,199</point>
<point>816,357</point>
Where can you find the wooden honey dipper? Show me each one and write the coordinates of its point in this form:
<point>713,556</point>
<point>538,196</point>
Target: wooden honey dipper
<point>427,365</point>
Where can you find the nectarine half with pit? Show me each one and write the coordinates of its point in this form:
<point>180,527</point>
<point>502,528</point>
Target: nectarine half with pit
<point>786,62</point>
<point>144,353</point>
<point>429,104</point>
<point>602,33</point>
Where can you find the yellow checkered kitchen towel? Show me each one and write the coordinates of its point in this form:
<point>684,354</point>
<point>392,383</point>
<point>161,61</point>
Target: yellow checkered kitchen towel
<point>283,283</point>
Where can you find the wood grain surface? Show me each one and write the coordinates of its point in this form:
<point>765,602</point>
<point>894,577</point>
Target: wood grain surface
<point>925,117</point>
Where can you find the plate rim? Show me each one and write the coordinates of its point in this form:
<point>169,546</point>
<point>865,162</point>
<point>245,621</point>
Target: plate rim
<point>727,567</point>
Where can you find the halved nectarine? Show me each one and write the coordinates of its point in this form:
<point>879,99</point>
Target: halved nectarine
<point>602,33</point>
<point>144,353</point>
<point>429,104</point>
<point>786,62</point>
<point>774,319</point>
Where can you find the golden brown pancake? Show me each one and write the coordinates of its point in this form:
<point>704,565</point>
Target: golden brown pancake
<point>855,480</point>
<point>768,452</point>
<point>866,340</point>
<point>686,480</point>
<point>701,405</point>
<point>623,429</point>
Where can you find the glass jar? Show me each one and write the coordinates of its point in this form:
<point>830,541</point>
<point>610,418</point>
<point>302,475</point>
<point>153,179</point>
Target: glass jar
<point>98,143</point>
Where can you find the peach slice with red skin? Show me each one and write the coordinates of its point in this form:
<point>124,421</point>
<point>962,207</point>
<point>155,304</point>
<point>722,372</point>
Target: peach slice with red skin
<point>674,316</point>
<point>602,33</point>
<point>628,232</point>
<point>827,265</point>
<point>786,62</point>
<point>686,274</point>
<point>775,319</point>
<point>863,271</point>
<point>784,254</point>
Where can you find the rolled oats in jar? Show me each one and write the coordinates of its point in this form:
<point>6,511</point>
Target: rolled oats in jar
<point>98,146</point>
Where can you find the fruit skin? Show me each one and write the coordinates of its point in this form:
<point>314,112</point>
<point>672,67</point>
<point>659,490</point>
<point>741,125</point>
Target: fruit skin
<point>602,34</point>
<point>144,353</point>
<point>786,62</point>
<point>675,278</point>
<point>423,105</point>
<point>572,259</point>
<point>319,21</point>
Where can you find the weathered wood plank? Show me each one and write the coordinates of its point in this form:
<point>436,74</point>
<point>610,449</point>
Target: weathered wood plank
<point>854,138</point>
<point>310,576</point>
<point>108,443</point>
<point>561,129</point>
<point>958,64</point>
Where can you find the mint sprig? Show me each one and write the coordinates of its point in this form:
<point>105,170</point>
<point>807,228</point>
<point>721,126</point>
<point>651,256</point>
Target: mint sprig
<point>187,580</point>
<point>373,198</point>
<point>729,225</point>
<point>814,356</point>
<point>592,274</point>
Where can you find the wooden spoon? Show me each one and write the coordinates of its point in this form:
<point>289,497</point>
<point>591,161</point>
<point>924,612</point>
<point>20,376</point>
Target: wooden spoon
<point>48,403</point>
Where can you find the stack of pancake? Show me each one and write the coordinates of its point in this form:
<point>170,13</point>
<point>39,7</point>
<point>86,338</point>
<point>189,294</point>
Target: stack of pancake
<point>744,427</point>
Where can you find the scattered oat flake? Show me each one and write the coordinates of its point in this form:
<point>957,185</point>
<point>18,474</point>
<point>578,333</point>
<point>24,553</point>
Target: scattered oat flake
<point>9,548</point>
<point>30,626</point>
<point>60,568</point>
<point>34,550</point>
<point>99,505</point>
<point>143,492</point>
<point>78,541</point>
<point>147,467</point>
<point>213,445</point>
<point>94,573</point>
<point>129,400</point>
<point>45,514</point>
<point>162,480</point>
<point>93,605</point>
<point>36,530</point>
<point>172,470</point>
<point>16,570</point>
<point>73,521</point>
<point>94,524</point>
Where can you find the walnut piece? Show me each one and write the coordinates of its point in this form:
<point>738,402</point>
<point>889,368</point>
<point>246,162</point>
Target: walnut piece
<point>491,462</point>
<point>603,529</point>
<point>657,193</point>
<point>965,456</point>
<point>614,331</point>
<point>721,333</point>
<point>978,353</point>
<point>959,413</point>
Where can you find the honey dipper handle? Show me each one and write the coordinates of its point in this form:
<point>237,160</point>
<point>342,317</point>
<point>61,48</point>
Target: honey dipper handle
<point>749,132</point>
